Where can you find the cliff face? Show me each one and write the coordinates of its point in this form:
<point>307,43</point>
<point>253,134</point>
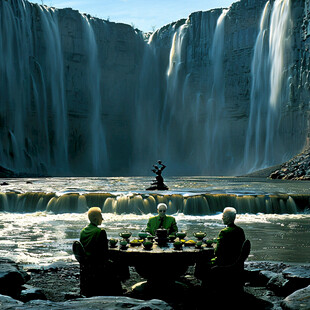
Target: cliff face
<point>83,96</point>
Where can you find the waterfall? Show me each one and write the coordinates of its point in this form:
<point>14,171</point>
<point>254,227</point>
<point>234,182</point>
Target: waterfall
<point>173,123</point>
<point>32,91</point>
<point>217,137</point>
<point>97,150</point>
<point>184,111</point>
<point>199,204</point>
<point>146,116</point>
<point>269,92</point>
<point>15,42</point>
<point>83,96</point>
<point>53,67</point>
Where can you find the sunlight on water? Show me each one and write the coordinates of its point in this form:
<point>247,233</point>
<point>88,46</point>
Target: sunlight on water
<point>45,237</point>
<point>42,238</point>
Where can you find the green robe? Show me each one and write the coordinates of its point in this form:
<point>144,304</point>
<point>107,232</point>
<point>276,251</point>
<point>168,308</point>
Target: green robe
<point>169,223</point>
<point>229,243</point>
<point>95,242</point>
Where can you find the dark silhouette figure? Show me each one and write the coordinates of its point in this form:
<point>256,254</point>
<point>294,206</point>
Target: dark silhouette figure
<point>158,184</point>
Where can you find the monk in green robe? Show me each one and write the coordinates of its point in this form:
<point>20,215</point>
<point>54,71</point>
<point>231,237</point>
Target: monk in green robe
<point>229,241</point>
<point>99,276</point>
<point>162,221</point>
<point>94,239</point>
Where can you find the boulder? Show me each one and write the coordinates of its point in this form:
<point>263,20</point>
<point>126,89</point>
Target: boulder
<point>298,300</point>
<point>279,285</point>
<point>7,302</point>
<point>298,277</point>
<point>12,277</point>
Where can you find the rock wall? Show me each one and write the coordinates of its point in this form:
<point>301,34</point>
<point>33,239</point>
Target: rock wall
<point>83,96</point>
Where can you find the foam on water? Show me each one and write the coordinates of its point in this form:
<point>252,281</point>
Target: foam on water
<point>44,238</point>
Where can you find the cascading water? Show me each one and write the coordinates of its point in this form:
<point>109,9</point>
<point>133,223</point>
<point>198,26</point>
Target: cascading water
<point>97,149</point>
<point>147,111</point>
<point>32,76</point>
<point>181,134</point>
<point>15,41</point>
<point>216,134</point>
<point>82,96</point>
<point>172,122</point>
<point>264,142</point>
<point>53,67</point>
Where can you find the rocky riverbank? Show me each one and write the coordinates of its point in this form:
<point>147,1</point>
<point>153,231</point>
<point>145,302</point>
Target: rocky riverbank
<point>298,168</point>
<point>268,286</point>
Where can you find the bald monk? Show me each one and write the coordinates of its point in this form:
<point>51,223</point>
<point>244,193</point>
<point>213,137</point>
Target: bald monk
<point>100,275</point>
<point>162,221</point>
<point>93,238</point>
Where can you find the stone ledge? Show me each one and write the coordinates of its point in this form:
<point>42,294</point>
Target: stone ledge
<point>100,302</point>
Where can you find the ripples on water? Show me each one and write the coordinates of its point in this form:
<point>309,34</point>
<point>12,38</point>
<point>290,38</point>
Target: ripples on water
<point>228,185</point>
<point>43,238</point>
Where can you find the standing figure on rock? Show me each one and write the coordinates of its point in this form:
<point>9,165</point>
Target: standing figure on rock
<point>158,184</point>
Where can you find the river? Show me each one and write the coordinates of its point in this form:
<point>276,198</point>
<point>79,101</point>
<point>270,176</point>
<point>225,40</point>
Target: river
<point>43,237</point>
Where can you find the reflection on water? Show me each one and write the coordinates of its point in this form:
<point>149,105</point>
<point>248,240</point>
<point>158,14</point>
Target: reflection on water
<point>42,238</point>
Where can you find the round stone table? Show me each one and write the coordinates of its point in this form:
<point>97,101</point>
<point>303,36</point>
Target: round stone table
<point>162,265</point>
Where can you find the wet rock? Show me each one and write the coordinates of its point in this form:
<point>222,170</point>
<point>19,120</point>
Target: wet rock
<point>5,173</point>
<point>97,303</point>
<point>295,169</point>
<point>279,285</point>
<point>30,293</point>
<point>7,302</point>
<point>298,300</point>
<point>298,276</point>
<point>12,277</point>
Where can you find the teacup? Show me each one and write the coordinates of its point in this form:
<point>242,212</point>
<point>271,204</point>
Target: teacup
<point>181,234</point>
<point>125,234</point>
<point>200,235</point>
<point>177,245</point>
<point>123,243</point>
<point>113,242</point>
<point>147,245</point>
<point>143,235</point>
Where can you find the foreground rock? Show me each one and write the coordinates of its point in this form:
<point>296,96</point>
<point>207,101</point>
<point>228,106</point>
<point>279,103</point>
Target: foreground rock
<point>269,285</point>
<point>100,302</point>
<point>298,300</point>
<point>12,277</point>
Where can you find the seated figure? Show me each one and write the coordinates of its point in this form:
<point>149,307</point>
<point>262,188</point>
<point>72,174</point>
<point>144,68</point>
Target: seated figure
<point>162,221</point>
<point>99,275</point>
<point>221,270</point>
<point>229,241</point>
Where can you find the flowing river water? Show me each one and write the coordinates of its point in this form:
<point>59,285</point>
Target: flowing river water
<point>42,236</point>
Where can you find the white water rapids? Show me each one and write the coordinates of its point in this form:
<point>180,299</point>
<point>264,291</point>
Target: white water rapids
<point>44,237</point>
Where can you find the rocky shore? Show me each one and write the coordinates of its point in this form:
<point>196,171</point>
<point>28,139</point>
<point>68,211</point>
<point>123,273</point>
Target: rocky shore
<point>298,168</point>
<point>269,285</point>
